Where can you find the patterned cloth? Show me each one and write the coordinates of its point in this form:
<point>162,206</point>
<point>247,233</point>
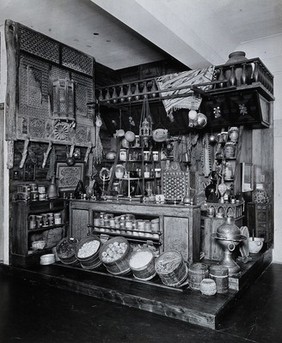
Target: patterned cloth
<point>186,78</point>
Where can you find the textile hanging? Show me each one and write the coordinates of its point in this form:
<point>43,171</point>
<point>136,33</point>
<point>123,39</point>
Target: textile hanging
<point>185,78</point>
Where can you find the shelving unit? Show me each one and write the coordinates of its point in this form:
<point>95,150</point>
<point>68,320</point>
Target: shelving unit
<point>131,235</point>
<point>23,233</point>
<point>136,163</point>
<point>178,224</point>
<point>138,229</point>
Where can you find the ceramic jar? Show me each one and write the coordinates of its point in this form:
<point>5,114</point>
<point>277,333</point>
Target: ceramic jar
<point>229,150</point>
<point>146,155</point>
<point>208,287</point>
<point>51,218</point>
<point>233,134</point>
<point>122,154</point>
<point>39,221</point>
<point>228,172</point>
<point>239,71</point>
<point>119,171</point>
<point>129,136</point>
<point>57,218</point>
<point>120,133</point>
<point>41,189</point>
<point>45,220</point>
<point>32,222</point>
<point>33,187</point>
<point>155,155</point>
<point>33,195</point>
<point>52,189</point>
<point>158,172</point>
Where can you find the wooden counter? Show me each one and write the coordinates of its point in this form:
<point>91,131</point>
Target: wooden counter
<point>179,224</point>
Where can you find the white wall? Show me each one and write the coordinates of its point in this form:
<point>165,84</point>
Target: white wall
<point>4,179</point>
<point>269,50</point>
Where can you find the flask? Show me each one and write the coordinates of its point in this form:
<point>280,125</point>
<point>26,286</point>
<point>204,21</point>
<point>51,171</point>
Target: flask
<point>146,171</point>
<point>52,189</point>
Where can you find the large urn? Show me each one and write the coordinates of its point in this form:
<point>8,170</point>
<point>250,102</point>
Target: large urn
<point>228,236</point>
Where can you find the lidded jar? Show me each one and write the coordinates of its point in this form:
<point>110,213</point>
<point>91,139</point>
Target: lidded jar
<point>119,171</point>
<point>229,150</point>
<point>233,134</point>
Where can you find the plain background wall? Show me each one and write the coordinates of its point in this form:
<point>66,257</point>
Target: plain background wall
<point>4,172</point>
<point>269,50</point>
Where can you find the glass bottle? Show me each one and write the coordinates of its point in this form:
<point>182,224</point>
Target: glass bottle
<point>146,171</point>
<point>52,189</point>
<point>211,189</point>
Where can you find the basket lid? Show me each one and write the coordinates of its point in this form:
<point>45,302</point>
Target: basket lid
<point>168,261</point>
<point>66,248</point>
<point>140,259</point>
<point>85,248</point>
<point>114,244</point>
<point>198,267</point>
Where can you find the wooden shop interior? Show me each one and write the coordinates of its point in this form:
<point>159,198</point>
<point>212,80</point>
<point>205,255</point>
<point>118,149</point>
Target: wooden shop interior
<point>151,186</point>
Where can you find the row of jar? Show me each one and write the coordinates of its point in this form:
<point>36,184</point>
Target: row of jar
<point>138,155</point>
<point>127,232</point>
<point>44,220</point>
<point>32,192</point>
<point>121,172</point>
<point>127,222</point>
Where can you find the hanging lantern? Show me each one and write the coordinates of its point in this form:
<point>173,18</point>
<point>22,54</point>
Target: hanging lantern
<point>145,128</point>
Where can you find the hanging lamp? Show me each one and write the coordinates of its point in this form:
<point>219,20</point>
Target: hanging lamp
<point>145,127</point>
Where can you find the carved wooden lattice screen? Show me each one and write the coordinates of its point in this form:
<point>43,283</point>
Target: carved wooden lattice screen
<point>54,84</point>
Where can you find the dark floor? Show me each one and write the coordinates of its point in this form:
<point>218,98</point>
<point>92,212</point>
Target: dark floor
<point>36,313</point>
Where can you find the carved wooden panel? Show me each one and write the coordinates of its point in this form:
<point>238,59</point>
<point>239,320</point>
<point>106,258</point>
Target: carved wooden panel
<point>176,236</point>
<point>79,222</point>
<point>33,109</point>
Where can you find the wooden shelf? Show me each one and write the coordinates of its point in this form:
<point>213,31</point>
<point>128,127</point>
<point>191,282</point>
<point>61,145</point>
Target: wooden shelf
<point>44,228</point>
<point>131,237</point>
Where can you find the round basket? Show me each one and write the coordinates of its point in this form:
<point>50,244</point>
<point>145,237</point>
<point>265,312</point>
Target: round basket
<point>171,268</point>
<point>65,250</point>
<point>197,272</point>
<point>219,274</point>
<point>87,252</point>
<point>142,264</point>
<point>120,265</point>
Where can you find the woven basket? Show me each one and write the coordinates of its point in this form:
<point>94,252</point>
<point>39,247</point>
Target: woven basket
<point>121,265</point>
<point>197,272</point>
<point>92,261</point>
<point>65,251</point>
<point>175,275</point>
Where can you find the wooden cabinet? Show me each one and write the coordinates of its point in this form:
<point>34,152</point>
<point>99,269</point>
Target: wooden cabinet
<point>259,220</point>
<point>179,225</point>
<point>34,221</point>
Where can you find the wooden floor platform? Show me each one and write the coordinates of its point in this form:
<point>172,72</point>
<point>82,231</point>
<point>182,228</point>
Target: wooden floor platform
<point>183,304</point>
